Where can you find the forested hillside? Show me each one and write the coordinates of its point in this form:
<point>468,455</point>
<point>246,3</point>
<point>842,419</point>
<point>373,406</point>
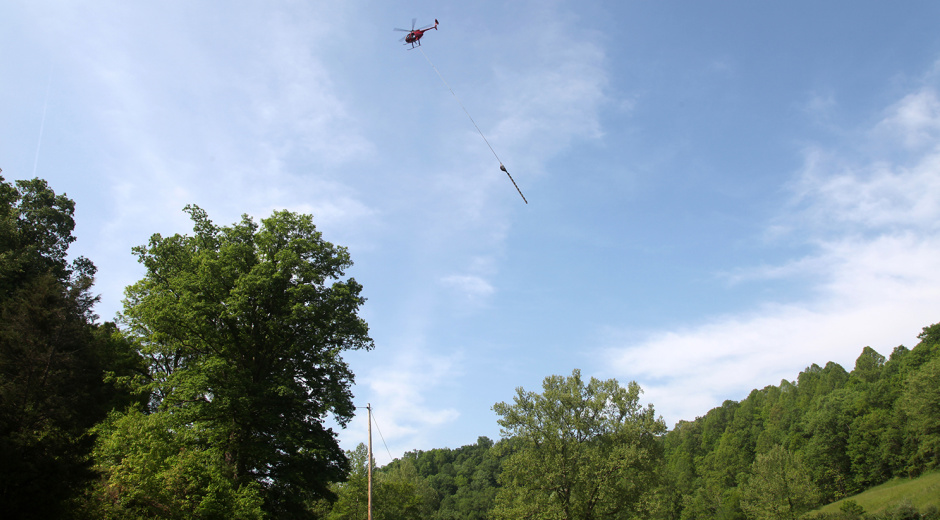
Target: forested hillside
<point>781,451</point>
<point>843,431</point>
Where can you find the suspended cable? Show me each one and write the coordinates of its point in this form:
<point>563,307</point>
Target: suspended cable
<point>390,458</point>
<point>501,167</point>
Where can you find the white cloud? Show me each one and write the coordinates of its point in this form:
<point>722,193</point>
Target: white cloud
<point>235,111</point>
<point>470,286</point>
<point>875,261</point>
<point>297,108</point>
<point>398,393</point>
<point>558,94</point>
<point>916,118</point>
<point>872,198</point>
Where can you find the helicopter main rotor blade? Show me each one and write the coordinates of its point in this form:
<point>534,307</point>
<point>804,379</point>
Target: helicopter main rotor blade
<point>402,30</point>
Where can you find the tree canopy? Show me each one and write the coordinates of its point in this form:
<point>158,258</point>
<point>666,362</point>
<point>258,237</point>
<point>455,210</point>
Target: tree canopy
<point>55,361</point>
<point>243,328</point>
<point>843,431</point>
<point>582,451</point>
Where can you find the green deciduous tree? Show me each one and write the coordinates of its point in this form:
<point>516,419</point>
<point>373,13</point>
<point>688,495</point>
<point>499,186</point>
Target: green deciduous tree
<point>35,233</point>
<point>456,484</point>
<point>779,487</point>
<point>154,468</point>
<point>850,430</point>
<point>828,424</point>
<point>244,328</point>
<point>352,495</point>
<point>398,492</point>
<point>54,360</point>
<point>581,451</point>
<point>921,403</point>
<point>401,494</point>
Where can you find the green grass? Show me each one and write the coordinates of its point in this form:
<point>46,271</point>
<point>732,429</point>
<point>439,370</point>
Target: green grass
<point>920,492</point>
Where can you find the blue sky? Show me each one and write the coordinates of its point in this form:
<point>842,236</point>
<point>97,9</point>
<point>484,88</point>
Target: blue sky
<point>720,193</point>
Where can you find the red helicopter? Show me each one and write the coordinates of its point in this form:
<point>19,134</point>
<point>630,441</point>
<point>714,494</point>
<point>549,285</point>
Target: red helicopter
<point>414,35</point>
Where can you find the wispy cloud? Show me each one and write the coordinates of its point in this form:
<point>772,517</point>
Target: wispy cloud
<point>818,108</point>
<point>557,94</point>
<point>470,286</point>
<point>244,121</point>
<point>916,118</point>
<point>406,418</point>
<point>875,262</point>
<point>876,198</point>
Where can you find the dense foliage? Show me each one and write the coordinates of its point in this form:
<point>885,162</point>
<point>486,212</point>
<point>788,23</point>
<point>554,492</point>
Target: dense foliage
<point>59,371</point>
<point>580,451</point>
<point>439,484</point>
<point>399,492</point>
<point>243,329</point>
<point>210,402</point>
<point>849,430</point>
<point>778,453</point>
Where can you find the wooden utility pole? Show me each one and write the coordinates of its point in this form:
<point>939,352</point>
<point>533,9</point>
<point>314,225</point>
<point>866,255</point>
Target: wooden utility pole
<point>369,408</point>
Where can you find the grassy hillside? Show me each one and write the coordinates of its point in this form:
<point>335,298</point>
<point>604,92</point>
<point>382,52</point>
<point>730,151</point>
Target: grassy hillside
<point>920,492</point>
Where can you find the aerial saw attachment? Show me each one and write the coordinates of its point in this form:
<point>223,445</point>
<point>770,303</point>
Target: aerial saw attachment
<point>501,167</point>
